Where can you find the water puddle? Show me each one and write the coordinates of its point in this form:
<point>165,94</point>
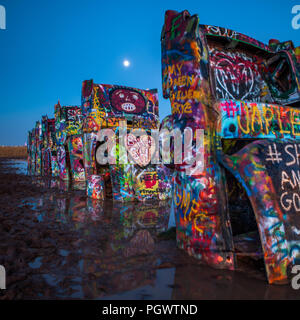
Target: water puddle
<point>36,263</point>
<point>20,165</point>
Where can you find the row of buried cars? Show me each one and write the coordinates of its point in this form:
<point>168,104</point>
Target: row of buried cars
<point>66,146</point>
<point>245,97</point>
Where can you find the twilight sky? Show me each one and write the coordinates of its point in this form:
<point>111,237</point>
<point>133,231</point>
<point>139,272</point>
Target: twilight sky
<point>51,46</point>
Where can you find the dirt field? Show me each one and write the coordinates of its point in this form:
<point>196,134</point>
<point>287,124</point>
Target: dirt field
<point>13,152</point>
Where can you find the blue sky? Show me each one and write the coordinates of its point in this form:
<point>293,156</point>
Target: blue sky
<point>51,46</point>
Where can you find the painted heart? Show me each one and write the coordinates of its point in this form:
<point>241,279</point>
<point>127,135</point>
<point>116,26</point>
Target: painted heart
<point>235,76</point>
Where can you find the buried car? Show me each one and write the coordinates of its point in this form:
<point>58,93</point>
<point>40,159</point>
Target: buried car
<point>68,128</point>
<point>117,112</point>
<point>245,97</point>
<point>70,145</point>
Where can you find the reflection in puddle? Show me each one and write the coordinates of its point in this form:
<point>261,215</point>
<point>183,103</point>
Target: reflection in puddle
<point>114,255</point>
<point>161,288</point>
<point>36,263</point>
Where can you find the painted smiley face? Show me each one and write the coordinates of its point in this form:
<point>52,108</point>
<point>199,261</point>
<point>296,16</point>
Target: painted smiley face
<point>128,101</point>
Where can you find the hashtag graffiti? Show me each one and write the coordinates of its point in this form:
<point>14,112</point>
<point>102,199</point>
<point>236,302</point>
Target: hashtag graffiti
<point>231,108</point>
<point>273,154</point>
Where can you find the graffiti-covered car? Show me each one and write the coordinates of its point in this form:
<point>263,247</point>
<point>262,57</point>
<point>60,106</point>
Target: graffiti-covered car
<point>30,152</point>
<point>68,128</point>
<point>245,96</point>
<point>49,148</point>
<point>37,145</point>
<point>117,112</point>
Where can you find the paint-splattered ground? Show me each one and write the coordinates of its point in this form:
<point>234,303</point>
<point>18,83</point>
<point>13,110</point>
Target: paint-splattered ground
<point>57,244</point>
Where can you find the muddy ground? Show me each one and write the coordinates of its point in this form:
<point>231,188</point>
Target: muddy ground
<point>57,244</point>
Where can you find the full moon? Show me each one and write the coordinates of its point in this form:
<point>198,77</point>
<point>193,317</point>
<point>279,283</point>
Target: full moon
<point>126,63</point>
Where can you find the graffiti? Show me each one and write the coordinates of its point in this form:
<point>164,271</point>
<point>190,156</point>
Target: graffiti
<point>47,146</point>
<point>234,35</point>
<point>241,119</point>
<point>270,176</point>
<point>95,187</point>
<point>288,185</point>
<point>73,118</point>
<point>222,31</point>
<point>165,182</point>
<point>54,164</point>
<point>105,105</point>
<point>127,101</point>
<point>236,75</point>
<point>104,109</point>
<point>185,96</point>
<point>236,91</point>
<point>145,183</point>
<point>274,68</point>
<point>185,77</point>
<point>75,147</point>
<point>121,179</point>
<point>62,163</point>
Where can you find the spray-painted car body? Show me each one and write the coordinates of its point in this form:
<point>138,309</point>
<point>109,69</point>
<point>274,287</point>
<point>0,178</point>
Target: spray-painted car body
<point>30,153</point>
<point>245,96</point>
<point>49,152</point>
<point>68,128</point>
<point>42,149</point>
<point>37,145</point>
<point>106,107</point>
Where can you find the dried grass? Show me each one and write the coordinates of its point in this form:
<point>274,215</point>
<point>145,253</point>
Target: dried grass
<point>13,152</point>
